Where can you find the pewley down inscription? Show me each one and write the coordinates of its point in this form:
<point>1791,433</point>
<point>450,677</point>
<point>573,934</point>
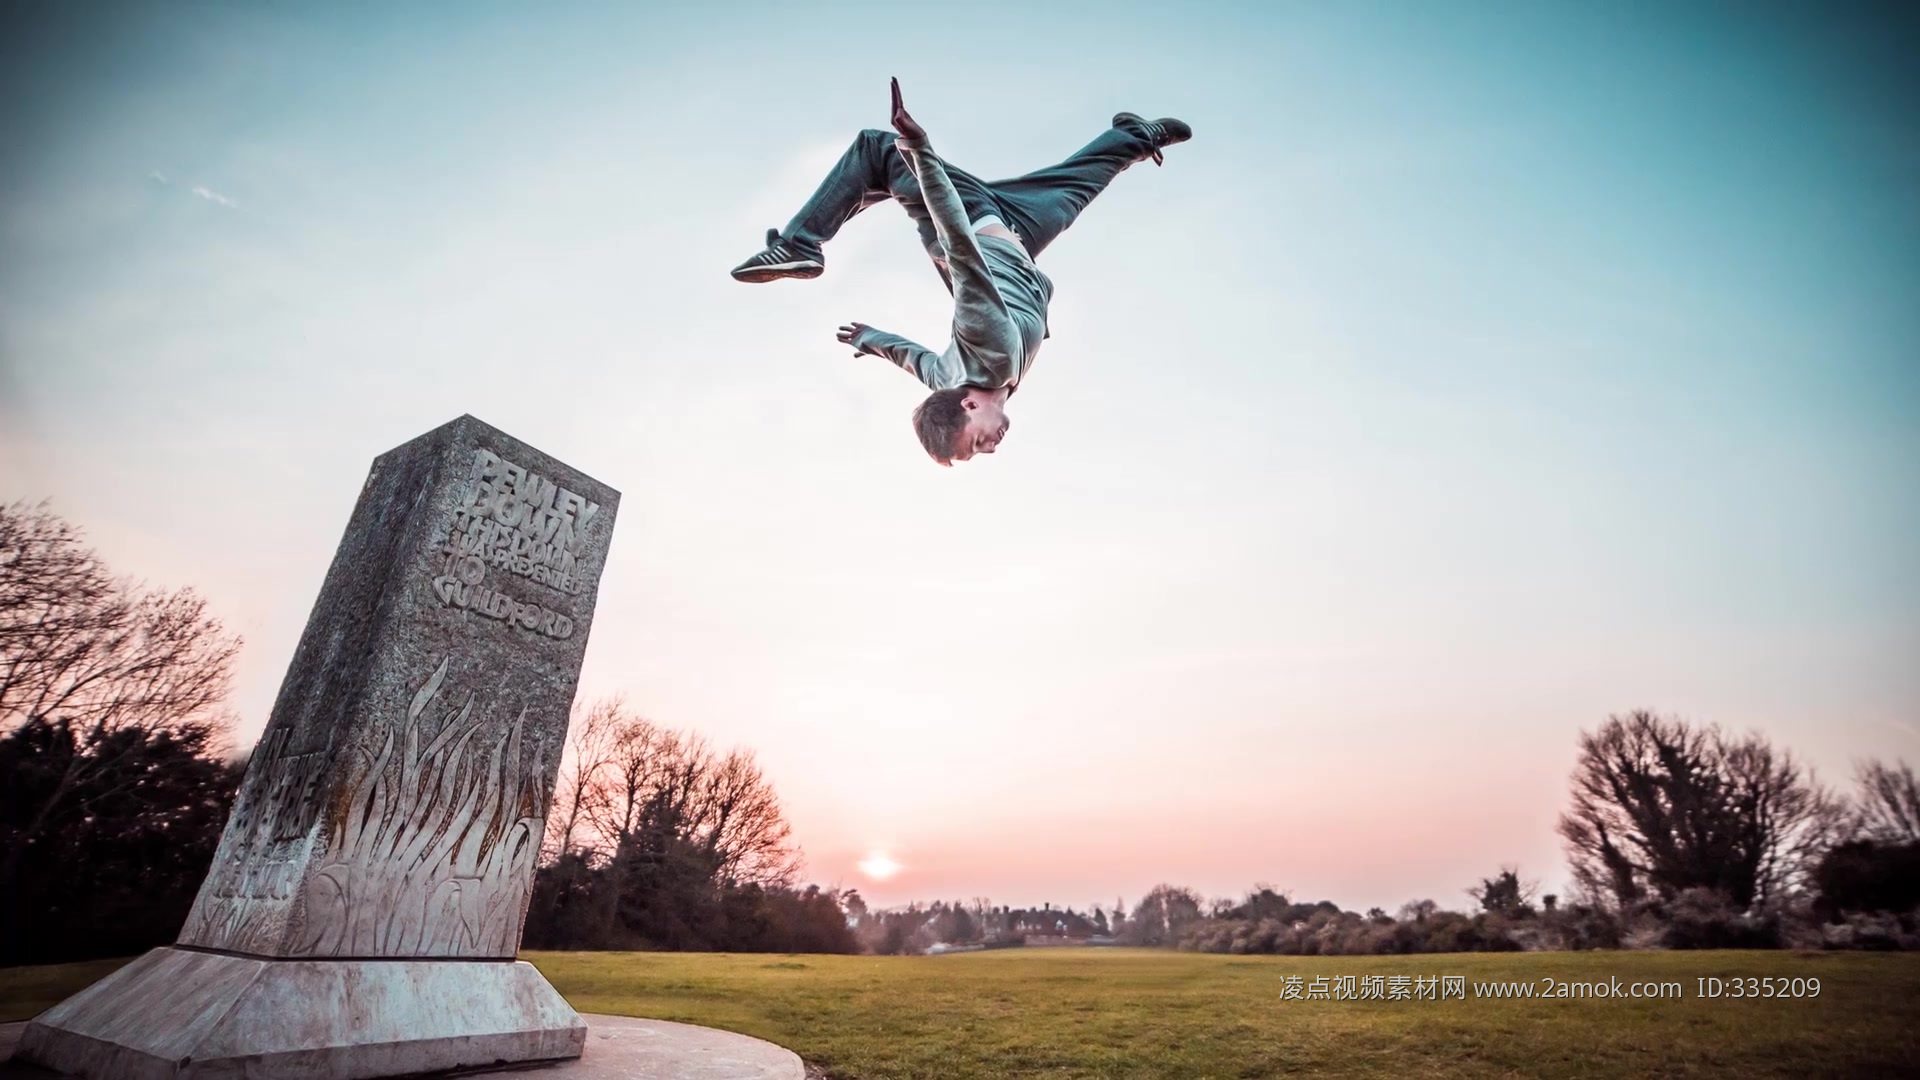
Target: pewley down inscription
<point>520,522</point>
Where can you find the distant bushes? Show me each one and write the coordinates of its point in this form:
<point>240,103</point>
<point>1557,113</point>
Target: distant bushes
<point>1868,876</point>
<point>1268,924</point>
<point>1343,933</point>
<point>1880,932</point>
<point>1704,919</point>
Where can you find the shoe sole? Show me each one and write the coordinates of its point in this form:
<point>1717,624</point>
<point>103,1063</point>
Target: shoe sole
<point>775,271</point>
<point>1136,118</point>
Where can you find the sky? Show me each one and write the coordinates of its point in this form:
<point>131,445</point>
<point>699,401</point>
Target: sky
<point>1476,372</point>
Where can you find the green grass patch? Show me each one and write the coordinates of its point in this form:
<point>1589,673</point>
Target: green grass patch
<point>1086,1013</point>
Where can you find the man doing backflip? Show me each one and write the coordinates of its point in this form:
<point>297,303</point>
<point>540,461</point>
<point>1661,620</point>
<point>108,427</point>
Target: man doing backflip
<point>983,238</point>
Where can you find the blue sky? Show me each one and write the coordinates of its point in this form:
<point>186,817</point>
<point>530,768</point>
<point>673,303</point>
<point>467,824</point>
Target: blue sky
<point>1477,371</point>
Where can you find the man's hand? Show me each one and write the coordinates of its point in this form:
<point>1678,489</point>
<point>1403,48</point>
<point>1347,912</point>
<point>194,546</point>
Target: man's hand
<point>850,331</point>
<point>903,123</point>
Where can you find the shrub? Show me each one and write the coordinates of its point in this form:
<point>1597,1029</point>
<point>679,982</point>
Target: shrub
<point>1586,926</point>
<point>1878,931</point>
<point>1863,876</point>
<point>1705,919</point>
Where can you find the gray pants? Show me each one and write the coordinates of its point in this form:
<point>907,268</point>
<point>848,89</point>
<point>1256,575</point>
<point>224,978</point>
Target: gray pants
<point>1039,206</point>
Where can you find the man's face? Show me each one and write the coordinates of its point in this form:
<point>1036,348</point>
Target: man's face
<point>986,426</point>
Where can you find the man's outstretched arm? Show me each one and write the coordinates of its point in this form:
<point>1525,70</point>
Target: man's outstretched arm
<point>950,220</point>
<point>911,357</point>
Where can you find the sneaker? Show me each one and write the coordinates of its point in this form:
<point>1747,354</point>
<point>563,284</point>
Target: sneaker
<point>781,259</point>
<point>1162,132</point>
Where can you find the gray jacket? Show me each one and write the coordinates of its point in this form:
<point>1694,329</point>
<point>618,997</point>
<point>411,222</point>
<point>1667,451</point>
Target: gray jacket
<point>1000,297</point>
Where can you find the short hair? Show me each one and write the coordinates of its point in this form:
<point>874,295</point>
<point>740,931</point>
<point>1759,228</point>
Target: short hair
<point>939,420</point>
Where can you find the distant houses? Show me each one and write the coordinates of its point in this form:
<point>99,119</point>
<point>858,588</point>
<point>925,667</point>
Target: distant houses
<point>1048,927</point>
<point>1051,926</point>
<point>941,928</point>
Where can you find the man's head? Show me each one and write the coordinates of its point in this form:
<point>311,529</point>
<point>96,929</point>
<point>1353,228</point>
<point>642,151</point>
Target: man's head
<point>956,424</point>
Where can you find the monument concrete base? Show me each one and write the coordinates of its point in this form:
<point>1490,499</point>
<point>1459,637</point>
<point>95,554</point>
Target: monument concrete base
<point>179,1013</point>
<point>618,1048</point>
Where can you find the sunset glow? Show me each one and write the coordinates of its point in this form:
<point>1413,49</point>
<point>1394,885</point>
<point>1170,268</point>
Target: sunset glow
<point>1474,373</point>
<point>878,866</point>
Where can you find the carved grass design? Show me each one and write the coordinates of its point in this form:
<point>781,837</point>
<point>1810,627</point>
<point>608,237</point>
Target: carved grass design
<point>434,855</point>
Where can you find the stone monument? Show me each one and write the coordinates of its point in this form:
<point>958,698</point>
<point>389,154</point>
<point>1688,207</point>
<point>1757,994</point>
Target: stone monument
<point>362,916</point>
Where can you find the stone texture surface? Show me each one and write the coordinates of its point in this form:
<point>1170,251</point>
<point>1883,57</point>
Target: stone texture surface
<point>363,910</point>
<point>618,1048</point>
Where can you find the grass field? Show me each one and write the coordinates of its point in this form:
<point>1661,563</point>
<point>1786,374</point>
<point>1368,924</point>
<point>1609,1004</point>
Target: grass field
<point>1151,1014</point>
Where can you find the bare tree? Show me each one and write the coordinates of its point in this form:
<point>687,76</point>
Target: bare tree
<point>637,787</point>
<point>1888,806</point>
<point>98,653</point>
<point>94,657</point>
<point>1790,818</point>
<point>591,738</point>
<point>737,818</point>
<point>647,773</point>
<point>1660,806</point>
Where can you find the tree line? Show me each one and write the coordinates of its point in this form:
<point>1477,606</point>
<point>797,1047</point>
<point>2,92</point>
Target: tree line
<point>1677,836</point>
<point>116,781</point>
